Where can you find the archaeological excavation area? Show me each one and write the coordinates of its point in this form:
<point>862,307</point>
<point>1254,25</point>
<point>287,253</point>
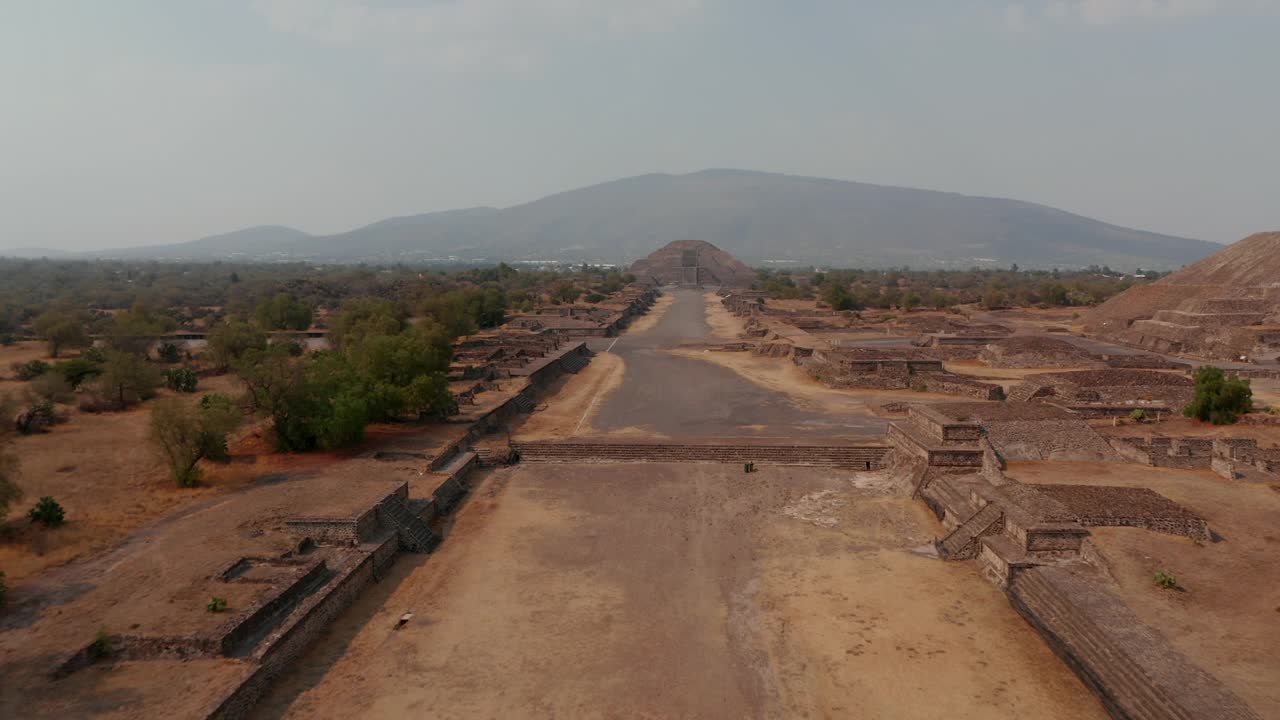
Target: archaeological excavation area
<point>697,503</point>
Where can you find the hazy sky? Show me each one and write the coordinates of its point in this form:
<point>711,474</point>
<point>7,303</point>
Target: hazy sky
<point>130,122</point>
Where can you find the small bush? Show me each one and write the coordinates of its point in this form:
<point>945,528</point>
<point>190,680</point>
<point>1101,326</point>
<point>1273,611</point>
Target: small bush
<point>7,339</point>
<point>38,417</point>
<point>47,512</point>
<point>1138,415</point>
<point>94,355</point>
<point>920,387</point>
<point>1165,580</point>
<point>31,370</point>
<point>4,591</point>
<point>103,645</point>
<point>53,387</point>
<point>181,379</point>
<point>594,297</point>
<point>169,353</point>
<point>216,604</point>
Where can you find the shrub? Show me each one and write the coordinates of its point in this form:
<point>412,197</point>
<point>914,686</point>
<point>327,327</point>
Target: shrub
<point>47,512</point>
<point>1219,399</point>
<point>31,370</point>
<point>181,379</point>
<point>94,354</point>
<point>594,297</point>
<point>216,604</point>
<point>1165,580</point>
<point>4,591</point>
<point>103,645</point>
<point>38,417</point>
<point>52,386</point>
<point>169,352</point>
<point>7,339</point>
<point>1138,415</point>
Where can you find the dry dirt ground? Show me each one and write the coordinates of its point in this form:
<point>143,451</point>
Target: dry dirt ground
<point>689,591</point>
<point>100,468</point>
<point>1226,617</point>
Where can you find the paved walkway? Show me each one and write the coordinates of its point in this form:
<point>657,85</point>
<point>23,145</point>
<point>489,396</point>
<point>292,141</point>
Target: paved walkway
<point>685,397</point>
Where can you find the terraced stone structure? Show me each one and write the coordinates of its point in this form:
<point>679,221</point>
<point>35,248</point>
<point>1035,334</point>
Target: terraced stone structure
<point>693,263</point>
<point>890,369</point>
<point>1225,307</point>
<point>1030,544</point>
<point>1124,388</point>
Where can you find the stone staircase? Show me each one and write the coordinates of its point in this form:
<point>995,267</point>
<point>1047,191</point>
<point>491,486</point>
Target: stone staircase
<point>494,456</point>
<point>1133,669</point>
<point>845,456</point>
<point>415,535</point>
<point>963,542</point>
<point>522,403</point>
<point>574,362</point>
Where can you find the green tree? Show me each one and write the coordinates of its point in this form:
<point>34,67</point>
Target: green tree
<point>366,316</point>
<point>283,312</point>
<point>61,329</point>
<point>838,297</point>
<point>1219,399</point>
<point>229,342</point>
<point>184,433</point>
<point>135,330</point>
<point>77,370</point>
<point>126,379</point>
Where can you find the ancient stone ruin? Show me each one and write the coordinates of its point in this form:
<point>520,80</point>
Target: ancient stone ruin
<point>1226,306</point>
<point>693,263</point>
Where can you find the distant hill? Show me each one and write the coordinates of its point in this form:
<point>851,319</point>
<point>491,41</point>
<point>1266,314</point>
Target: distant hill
<point>758,217</point>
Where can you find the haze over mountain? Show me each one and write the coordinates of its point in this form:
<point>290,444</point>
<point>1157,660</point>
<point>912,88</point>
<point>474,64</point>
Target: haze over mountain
<point>758,217</point>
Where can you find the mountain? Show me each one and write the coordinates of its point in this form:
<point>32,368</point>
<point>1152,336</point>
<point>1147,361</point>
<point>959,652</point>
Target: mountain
<point>261,242</point>
<point>758,217</point>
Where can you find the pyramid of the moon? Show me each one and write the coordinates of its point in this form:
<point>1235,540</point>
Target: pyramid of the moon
<point>692,263</point>
<point>1224,307</point>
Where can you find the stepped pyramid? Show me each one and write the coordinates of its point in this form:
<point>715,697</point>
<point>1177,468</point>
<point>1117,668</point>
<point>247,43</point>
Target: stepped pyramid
<point>693,263</point>
<point>1225,307</point>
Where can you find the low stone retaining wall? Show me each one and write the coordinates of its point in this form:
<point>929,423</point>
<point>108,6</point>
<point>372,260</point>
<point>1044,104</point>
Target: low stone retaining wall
<point>1132,669</point>
<point>305,623</point>
<point>866,457</point>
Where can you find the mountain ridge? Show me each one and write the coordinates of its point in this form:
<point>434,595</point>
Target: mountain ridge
<point>757,216</point>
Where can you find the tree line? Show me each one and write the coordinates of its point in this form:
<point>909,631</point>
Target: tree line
<point>939,289</point>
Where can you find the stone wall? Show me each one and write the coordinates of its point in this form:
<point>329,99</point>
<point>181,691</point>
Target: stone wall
<point>1134,671</point>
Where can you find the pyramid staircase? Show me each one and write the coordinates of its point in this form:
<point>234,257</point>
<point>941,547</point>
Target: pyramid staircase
<point>574,362</point>
<point>522,403</point>
<point>415,535</point>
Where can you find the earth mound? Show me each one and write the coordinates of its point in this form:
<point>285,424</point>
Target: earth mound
<point>1226,306</point>
<point>692,263</point>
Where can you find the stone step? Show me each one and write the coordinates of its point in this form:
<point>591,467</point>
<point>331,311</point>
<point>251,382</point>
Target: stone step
<point>950,499</point>
<point>962,543</point>
<point>857,457</point>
